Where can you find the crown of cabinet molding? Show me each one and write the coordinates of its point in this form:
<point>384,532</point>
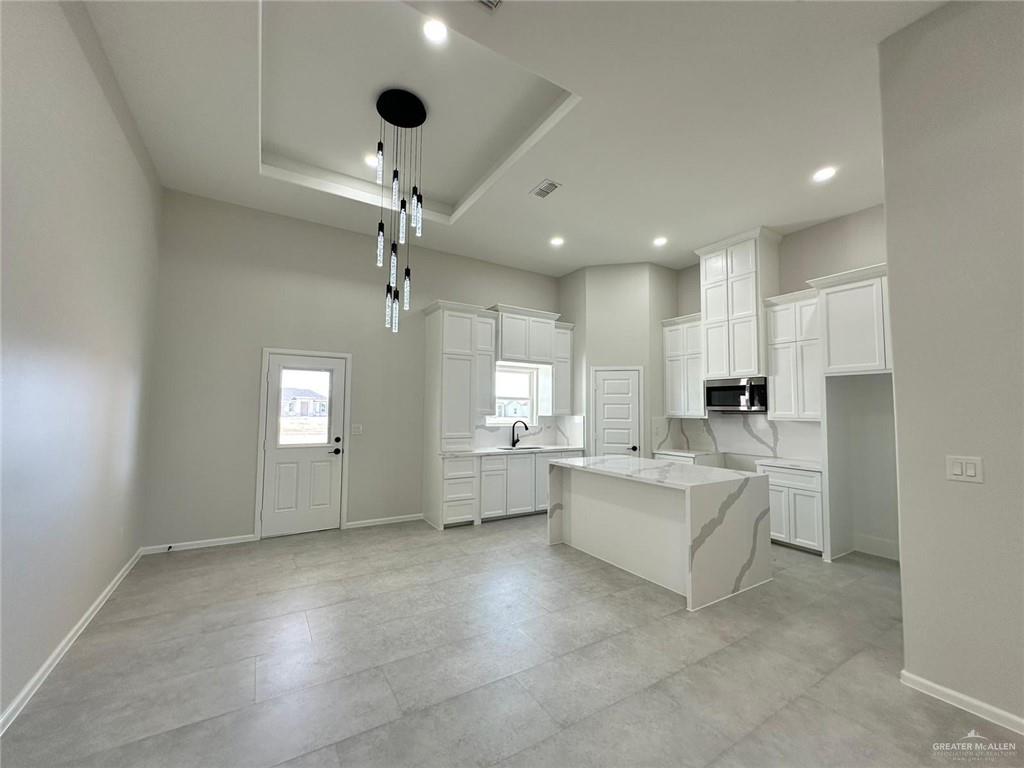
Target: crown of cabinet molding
<point>525,311</point>
<point>789,298</point>
<point>681,319</point>
<point>458,306</point>
<point>562,325</point>
<point>758,233</point>
<point>849,276</point>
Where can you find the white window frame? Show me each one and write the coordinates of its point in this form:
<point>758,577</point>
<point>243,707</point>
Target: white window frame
<point>534,394</point>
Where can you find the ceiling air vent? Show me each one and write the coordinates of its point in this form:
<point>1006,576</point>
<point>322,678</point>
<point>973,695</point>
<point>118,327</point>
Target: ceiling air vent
<point>490,5</point>
<point>545,188</point>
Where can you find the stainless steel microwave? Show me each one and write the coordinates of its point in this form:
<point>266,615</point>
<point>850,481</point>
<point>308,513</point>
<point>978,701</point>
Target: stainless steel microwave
<point>748,395</point>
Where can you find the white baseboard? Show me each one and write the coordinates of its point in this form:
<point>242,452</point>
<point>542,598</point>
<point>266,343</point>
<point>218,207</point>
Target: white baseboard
<point>963,701</point>
<point>26,693</point>
<point>382,521</point>
<point>875,545</point>
<point>200,544</point>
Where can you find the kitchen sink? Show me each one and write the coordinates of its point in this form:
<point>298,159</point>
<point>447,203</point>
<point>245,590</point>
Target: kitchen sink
<point>519,448</point>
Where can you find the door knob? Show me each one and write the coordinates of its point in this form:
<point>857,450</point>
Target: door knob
<point>336,451</point>
<point>633,448</point>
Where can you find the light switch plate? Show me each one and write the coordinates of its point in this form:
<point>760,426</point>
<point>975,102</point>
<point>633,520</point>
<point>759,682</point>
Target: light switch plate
<point>357,429</point>
<point>965,469</point>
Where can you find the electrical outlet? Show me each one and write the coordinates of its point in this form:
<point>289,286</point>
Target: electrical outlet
<point>965,469</point>
<point>357,429</point>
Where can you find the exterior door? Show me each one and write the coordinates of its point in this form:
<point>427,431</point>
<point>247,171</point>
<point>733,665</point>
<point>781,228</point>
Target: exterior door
<point>617,412</point>
<point>303,444</point>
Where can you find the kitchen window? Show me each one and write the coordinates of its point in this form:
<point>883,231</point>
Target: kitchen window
<point>515,390</point>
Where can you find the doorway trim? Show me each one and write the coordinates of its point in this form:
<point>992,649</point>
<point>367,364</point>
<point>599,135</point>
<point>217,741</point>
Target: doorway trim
<point>592,413</point>
<point>262,431</point>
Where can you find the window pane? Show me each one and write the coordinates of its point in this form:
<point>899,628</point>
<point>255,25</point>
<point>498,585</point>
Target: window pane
<point>305,407</point>
<point>512,383</point>
<point>513,409</point>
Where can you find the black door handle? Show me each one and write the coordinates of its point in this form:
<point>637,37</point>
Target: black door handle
<point>336,451</point>
<point>633,448</point>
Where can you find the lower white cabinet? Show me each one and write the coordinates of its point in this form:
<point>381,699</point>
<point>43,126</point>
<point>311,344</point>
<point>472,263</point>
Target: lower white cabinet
<point>795,506</point>
<point>460,489</point>
<point>493,485</point>
<point>521,482</point>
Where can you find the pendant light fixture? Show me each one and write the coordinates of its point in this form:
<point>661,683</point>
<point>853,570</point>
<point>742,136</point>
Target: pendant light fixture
<point>402,115</point>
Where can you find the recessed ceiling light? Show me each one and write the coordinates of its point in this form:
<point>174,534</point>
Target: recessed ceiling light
<point>557,241</point>
<point>435,31</point>
<point>824,174</point>
<point>660,241</point>
<point>370,160</point>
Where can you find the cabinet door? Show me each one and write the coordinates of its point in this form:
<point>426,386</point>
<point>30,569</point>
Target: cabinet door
<point>809,379</point>
<point>778,514</point>
<point>692,342</point>
<point>714,305</point>
<point>743,296</point>
<point>805,517</point>
<point>782,380</point>
<point>742,258</point>
<point>807,320</point>
<point>457,401</point>
<point>561,385</point>
<point>563,344</point>
<point>674,386</point>
<point>693,387</point>
<point>743,359</point>
<point>515,335</point>
<point>484,383</point>
<point>672,340</point>
<point>781,323</point>
<point>458,333</point>
<point>712,267</point>
<point>540,462</point>
<point>492,494</point>
<point>521,481</point>
<point>716,350</point>
<point>541,346</point>
<point>853,328</point>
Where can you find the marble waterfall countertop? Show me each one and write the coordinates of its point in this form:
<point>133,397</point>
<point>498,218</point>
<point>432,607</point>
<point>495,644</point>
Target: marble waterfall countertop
<point>496,450</point>
<point>686,454</point>
<point>805,464</point>
<point>664,472</point>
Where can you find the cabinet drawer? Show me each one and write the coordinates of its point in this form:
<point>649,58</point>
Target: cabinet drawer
<point>794,478</point>
<point>464,466</point>
<point>492,463</point>
<point>460,512</point>
<point>459,489</point>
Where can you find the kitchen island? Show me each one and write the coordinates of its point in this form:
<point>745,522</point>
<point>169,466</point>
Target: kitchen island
<point>699,531</point>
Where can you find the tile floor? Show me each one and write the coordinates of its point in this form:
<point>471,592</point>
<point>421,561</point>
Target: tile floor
<point>401,646</point>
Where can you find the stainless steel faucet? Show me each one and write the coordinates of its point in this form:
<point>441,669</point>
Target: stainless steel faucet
<point>515,440</point>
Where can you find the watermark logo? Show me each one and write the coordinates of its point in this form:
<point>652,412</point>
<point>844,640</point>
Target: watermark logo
<point>974,747</point>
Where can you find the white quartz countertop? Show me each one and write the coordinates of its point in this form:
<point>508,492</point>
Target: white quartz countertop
<point>495,450</point>
<point>806,464</point>
<point>687,454</point>
<point>664,472</point>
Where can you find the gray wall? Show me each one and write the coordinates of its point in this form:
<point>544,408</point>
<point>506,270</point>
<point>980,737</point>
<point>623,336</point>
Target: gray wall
<point>234,280</point>
<point>953,135</point>
<point>688,290</point>
<point>848,242</point>
<point>79,265</point>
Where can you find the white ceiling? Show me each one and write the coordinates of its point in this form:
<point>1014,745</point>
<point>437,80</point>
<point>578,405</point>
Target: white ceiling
<point>696,120</point>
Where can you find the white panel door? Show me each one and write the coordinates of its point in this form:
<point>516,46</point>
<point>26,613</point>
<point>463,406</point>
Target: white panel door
<point>853,327</point>
<point>541,347</point>
<point>809,379</point>
<point>561,385</point>
<point>715,302</point>
<point>743,296</point>
<point>520,493</point>
<point>492,494</point>
<point>805,507</point>
<point>716,350</point>
<point>302,469</point>
<point>743,347</point>
<point>778,514</point>
<point>712,267</point>
<point>617,412</point>
<point>693,387</point>
<point>742,258</point>
<point>515,337</point>
<point>457,401</point>
<point>782,380</point>
<point>675,386</point>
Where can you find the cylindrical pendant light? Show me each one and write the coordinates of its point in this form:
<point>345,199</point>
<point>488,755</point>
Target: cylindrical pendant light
<point>407,288</point>
<point>388,306</point>
<point>380,244</point>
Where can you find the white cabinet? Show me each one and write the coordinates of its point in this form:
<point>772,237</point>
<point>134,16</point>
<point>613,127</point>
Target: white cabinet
<point>561,371</point>
<point>484,342</point>
<point>492,493</point>
<point>684,370</point>
<point>735,275</point>
<point>460,490</point>
<point>526,335</point>
<point>457,401</point>
<point>854,318</point>
<point>795,379</point>
<point>795,505</point>
<point>703,459</point>
<point>521,480</point>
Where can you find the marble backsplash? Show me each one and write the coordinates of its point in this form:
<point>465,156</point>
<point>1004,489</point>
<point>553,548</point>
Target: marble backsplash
<point>743,435</point>
<point>549,430</point>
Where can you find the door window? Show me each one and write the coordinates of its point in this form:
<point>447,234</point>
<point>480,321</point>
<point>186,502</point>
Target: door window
<point>305,415</point>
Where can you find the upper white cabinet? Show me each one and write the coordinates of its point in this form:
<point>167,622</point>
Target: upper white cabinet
<point>795,378</point>
<point>485,338</point>
<point>684,385</point>
<point>526,335</point>
<point>561,374</point>
<point>854,317</point>
<point>736,275</point>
